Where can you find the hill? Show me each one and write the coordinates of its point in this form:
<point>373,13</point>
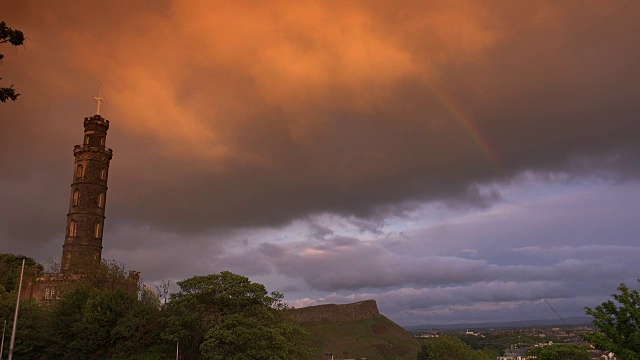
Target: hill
<point>355,331</point>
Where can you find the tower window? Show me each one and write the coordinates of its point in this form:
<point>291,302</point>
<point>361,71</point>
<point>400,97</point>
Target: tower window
<point>79,172</point>
<point>86,139</point>
<point>101,200</point>
<point>72,228</point>
<point>102,141</point>
<point>103,174</point>
<point>98,229</point>
<point>76,197</point>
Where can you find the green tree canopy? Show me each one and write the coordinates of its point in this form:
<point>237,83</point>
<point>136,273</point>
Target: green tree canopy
<point>448,347</point>
<point>91,323</point>
<point>560,352</point>
<point>31,335</point>
<point>226,316</point>
<point>618,324</point>
<point>220,316</point>
<point>10,266</point>
<point>15,38</point>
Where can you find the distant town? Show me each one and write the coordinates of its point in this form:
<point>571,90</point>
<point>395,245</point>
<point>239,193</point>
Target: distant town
<point>514,343</point>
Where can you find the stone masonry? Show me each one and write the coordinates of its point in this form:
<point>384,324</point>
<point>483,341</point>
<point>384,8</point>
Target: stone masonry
<point>85,220</point>
<point>82,250</point>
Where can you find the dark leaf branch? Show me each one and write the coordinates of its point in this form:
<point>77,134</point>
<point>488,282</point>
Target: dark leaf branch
<point>15,38</point>
<point>7,34</point>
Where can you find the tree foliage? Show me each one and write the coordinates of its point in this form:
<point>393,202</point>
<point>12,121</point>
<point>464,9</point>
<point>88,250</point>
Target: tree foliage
<point>89,323</point>
<point>31,341</point>
<point>15,38</point>
<point>65,314</point>
<point>10,267</point>
<point>448,347</point>
<point>91,320</point>
<point>560,352</point>
<point>618,324</point>
<point>226,316</point>
<point>219,316</point>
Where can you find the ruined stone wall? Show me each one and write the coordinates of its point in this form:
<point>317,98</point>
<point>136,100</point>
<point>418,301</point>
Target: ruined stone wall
<point>334,313</point>
<point>47,288</point>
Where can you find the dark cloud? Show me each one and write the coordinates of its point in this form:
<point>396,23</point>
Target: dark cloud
<point>357,266</point>
<point>426,106</point>
<point>232,122</point>
<point>271,250</point>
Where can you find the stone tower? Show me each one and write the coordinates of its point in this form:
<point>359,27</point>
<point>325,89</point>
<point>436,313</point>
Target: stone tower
<point>82,250</point>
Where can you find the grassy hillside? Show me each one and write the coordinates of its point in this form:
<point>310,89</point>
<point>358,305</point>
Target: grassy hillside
<point>377,338</point>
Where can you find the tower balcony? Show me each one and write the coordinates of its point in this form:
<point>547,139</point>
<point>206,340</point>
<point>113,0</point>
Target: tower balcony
<point>95,121</point>
<point>79,149</point>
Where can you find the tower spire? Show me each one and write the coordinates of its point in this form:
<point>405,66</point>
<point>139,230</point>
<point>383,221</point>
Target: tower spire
<point>99,99</point>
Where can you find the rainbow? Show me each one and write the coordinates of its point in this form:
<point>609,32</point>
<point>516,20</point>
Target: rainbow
<point>469,126</point>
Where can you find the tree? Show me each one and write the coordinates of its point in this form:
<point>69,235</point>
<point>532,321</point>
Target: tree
<point>89,323</point>
<point>139,328</point>
<point>220,316</point>
<point>560,352</point>
<point>618,324</point>
<point>226,316</point>
<point>448,347</point>
<point>31,335</point>
<point>15,38</point>
<point>65,314</point>
<point>10,266</point>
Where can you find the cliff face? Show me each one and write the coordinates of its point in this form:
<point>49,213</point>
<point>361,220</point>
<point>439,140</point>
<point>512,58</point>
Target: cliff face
<point>355,331</point>
<point>362,310</point>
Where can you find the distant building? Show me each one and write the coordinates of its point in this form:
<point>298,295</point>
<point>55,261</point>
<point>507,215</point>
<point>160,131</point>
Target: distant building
<point>515,354</point>
<point>82,249</point>
<point>602,355</point>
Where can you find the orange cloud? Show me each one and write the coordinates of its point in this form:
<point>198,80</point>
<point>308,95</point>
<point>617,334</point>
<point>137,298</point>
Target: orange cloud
<point>347,107</point>
<point>196,73</point>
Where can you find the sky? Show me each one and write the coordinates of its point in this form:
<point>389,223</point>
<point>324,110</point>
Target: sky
<point>457,161</point>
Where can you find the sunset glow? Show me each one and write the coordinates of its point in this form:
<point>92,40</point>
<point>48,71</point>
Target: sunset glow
<point>454,160</point>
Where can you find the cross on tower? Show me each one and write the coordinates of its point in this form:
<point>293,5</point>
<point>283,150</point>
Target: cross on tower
<point>99,99</point>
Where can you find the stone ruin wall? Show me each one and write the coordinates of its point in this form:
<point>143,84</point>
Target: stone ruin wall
<point>35,287</point>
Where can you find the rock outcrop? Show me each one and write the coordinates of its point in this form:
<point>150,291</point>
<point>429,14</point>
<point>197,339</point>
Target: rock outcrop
<point>362,310</point>
<point>355,331</point>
